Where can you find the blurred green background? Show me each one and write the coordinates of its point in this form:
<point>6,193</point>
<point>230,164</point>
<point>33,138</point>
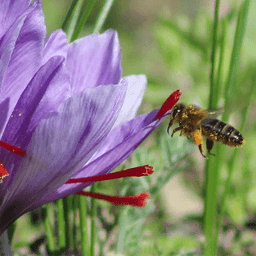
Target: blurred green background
<point>170,42</point>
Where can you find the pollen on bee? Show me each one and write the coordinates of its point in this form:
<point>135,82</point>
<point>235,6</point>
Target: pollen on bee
<point>198,138</point>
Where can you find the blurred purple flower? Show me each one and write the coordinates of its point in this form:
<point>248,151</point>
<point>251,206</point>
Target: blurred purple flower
<point>66,105</point>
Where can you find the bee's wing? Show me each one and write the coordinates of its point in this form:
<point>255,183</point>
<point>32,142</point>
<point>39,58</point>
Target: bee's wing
<point>213,113</point>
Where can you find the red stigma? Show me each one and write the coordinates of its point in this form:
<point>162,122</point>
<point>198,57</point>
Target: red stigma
<point>13,149</point>
<point>135,200</point>
<point>145,170</point>
<point>168,104</point>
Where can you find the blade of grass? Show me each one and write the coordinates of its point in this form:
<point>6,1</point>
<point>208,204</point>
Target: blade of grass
<point>234,62</point>
<point>48,229</point>
<point>231,167</point>
<point>121,232</point>
<point>61,224</point>
<point>67,205</point>
<point>84,226</point>
<point>82,19</point>
<point>213,164</point>
<point>71,20</point>
<point>213,95</point>
<point>11,231</point>
<point>221,61</point>
<point>213,180</point>
<point>211,176</point>
<point>93,221</point>
<point>102,16</point>
<point>74,229</point>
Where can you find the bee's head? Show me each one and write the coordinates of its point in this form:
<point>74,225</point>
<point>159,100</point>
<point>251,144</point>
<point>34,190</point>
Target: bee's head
<point>176,110</point>
<point>175,114</point>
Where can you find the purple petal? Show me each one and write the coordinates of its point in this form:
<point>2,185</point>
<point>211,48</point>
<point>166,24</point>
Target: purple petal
<point>94,60</point>
<point>22,61</point>
<point>133,98</point>
<point>55,44</point>
<point>46,91</point>
<point>118,146</point>
<point>4,106</point>
<point>62,144</point>
<point>10,10</point>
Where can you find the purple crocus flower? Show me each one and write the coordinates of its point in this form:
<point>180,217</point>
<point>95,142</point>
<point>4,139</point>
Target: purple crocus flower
<point>66,105</point>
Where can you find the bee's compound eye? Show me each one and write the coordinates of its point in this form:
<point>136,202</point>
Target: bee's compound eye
<point>177,110</point>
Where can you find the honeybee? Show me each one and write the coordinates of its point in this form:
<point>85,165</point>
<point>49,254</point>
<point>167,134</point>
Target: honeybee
<point>195,123</point>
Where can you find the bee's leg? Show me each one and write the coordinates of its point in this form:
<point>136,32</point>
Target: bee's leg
<point>184,132</point>
<point>169,125</point>
<point>176,130</point>
<point>198,139</point>
<point>201,148</point>
<point>209,145</point>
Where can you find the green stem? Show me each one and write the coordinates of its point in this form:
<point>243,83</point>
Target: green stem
<point>231,168</point>
<point>48,229</point>
<point>211,176</point>
<point>72,17</point>
<point>84,226</point>
<point>61,224</point>
<point>234,62</point>
<point>103,15</point>
<point>82,20</point>
<point>75,206</point>
<point>11,231</point>
<point>67,203</point>
<point>213,96</point>
<point>93,222</point>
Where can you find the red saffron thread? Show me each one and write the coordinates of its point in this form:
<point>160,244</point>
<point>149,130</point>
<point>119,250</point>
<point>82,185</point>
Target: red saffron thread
<point>134,200</point>
<point>145,170</point>
<point>168,104</point>
<point>13,149</point>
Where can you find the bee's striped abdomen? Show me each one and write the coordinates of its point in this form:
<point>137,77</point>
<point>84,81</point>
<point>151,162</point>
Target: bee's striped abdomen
<point>218,131</point>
